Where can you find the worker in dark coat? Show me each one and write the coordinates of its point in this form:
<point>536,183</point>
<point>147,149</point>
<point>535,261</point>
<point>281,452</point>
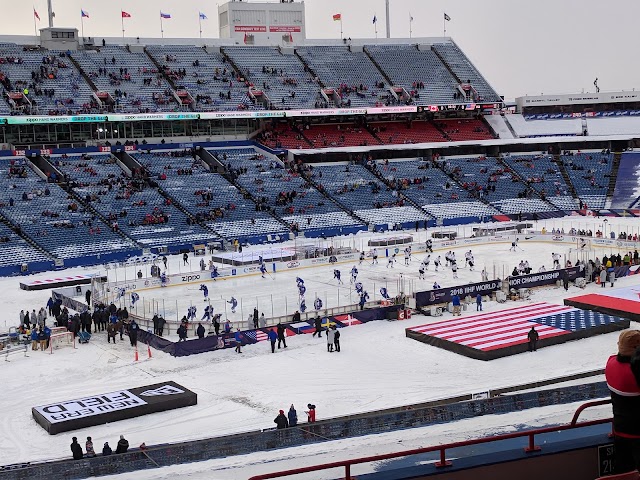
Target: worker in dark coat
<point>281,421</point>
<point>533,336</point>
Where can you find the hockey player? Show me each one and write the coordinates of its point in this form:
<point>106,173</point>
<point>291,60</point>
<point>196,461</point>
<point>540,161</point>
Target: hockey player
<point>163,279</point>
<point>303,305</point>
<point>361,258</point>
<point>527,267</point>
<point>542,269</point>
<point>354,274</point>
<point>556,260</point>
<point>134,298</point>
<point>299,281</point>
<point>336,275</point>
<point>234,304</point>
<point>426,262</point>
<point>429,245</point>
<point>421,271</point>
<point>436,262</point>
<point>436,286</point>
<point>521,267</point>
<point>392,260</point>
<point>374,255</point>
<point>471,261</point>
<point>454,269</point>
<point>359,288</point>
<point>263,269</point>
<point>121,293</point>
<point>214,272</point>
<point>514,245</point>
<point>452,258</point>
<point>384,293</point>
<point>208,312</point>
<point>317,303</point>
<point>301,290</point>
<point>205,291</point>
<point>364,296</point>
<point>485,275</point>
<point>191,312</point>
<point>407,255</point>
<point>467,256</point>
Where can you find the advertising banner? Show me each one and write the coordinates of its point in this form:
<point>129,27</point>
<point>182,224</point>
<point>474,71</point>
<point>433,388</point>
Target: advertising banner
<point>109,407</point>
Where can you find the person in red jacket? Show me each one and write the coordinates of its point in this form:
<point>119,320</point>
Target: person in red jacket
<point>311,413</point>
<point>623,379</point>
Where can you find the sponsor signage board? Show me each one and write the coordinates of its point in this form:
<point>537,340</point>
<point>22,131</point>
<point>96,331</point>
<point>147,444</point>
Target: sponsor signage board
<point>110,407</point>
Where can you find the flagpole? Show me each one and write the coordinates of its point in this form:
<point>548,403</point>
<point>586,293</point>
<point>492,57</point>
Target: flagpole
<point>122,21</point>
<point>35,26</point>
<point>341,36</point>
<point>200,24</point>
<point>161,29</point>
<point>410,25</point>
<point>444,25</point>
<point>82,26</point>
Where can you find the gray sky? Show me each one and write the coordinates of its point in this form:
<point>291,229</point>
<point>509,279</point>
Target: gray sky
<point>541,46</point>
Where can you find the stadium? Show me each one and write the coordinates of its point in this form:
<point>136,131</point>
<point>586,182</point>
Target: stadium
<point>199,199</point>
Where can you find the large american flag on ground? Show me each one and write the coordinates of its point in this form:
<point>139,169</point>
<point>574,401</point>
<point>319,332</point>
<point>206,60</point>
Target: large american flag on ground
<point>495,330</point>
<point>257,335</point>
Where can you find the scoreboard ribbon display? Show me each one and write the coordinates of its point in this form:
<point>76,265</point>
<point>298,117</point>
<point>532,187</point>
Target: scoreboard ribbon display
<point>110,407</point>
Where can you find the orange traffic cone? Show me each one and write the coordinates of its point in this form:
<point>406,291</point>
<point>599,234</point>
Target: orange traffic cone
<point>597,279</point>
<point>149,350</point>
<point>136,356</point>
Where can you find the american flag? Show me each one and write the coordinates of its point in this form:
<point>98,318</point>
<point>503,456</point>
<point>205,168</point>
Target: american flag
<point>257,335</point>
<point>495,330</point>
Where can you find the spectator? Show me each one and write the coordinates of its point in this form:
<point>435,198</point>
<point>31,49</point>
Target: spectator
<point>479,302</point>
<point>292,415</point>
<point>455,300</point>
<point>106,450</point>
<point>311,413</point>
<point>281,421</point>
<point>123,445</point>
<point>623,374</point>
<point>76,449</point>
<point>89,448</point>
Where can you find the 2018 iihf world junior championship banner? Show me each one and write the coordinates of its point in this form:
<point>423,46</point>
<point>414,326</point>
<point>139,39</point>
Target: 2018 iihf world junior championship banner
<point>110,407</point>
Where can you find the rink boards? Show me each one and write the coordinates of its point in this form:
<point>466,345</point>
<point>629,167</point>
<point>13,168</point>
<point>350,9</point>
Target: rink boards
<point>491,335</point>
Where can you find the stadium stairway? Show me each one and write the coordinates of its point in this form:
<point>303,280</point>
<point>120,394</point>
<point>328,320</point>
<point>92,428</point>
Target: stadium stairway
<point>18,231</point>
<point>376,173</point>
<point>567,179</point>
<point>447,66</point>
<point>86,77</point>
<point>334,200</point>
<point>129,161</point>
<point>214,164</point>
<point>457,182</point>
<point>249,195</point>
<point>617,158</point>
<point>552,207</point>
<point>377,65</point>
<point>90,208</point>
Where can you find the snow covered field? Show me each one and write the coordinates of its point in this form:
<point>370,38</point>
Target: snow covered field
<point>377,368</point>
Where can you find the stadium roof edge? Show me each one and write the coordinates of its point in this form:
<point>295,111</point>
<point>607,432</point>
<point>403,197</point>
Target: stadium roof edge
<point>480,143</point>
<point>228,42</point>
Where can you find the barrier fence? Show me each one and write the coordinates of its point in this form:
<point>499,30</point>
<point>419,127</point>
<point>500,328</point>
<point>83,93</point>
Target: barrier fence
<point>303,434</point>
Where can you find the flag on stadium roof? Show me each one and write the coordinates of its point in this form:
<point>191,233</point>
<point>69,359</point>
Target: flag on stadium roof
<point>447,17</point>
<point>35,14</point>
<point>337,17</point>
<point>202,16</point>
<point>375,19</point>
<point>84,14</point>
<point>165,15</point>
<point>125,14</point>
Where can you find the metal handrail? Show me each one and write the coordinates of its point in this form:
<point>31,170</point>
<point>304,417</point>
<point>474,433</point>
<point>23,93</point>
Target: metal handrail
<point>443,462</point>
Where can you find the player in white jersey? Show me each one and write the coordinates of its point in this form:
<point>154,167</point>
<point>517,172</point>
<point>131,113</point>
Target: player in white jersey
<point>436,262</point>
<point>426,262</point>
<point>374,256</point>
<point>407,255</point>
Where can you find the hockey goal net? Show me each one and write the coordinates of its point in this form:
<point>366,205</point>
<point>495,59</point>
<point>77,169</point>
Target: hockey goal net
<point>59,340</point>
